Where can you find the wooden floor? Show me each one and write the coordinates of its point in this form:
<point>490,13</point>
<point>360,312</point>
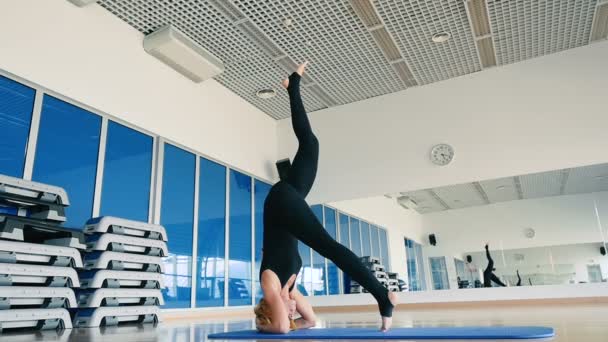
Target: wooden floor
<point>588,323</point>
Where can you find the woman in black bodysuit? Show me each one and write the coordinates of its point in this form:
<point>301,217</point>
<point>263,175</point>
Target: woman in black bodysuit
<point>287,219</point>
<point>488,273</point>
<point>518,279</point>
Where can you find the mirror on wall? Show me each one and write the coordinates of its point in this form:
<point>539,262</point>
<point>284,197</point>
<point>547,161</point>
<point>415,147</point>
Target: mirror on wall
<point>546,228</point>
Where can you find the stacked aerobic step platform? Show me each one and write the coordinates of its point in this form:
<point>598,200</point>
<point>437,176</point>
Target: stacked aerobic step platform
<point>122,280</point>
<point>38,257</point>
<point>388,279</point>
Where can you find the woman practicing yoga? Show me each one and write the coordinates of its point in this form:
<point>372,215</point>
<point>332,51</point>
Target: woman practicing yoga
<point>287,219</point>
<point>488,273</point>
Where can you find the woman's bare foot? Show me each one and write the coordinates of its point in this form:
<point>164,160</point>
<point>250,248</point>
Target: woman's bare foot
<point>300,70</point>
<point>387,322</point>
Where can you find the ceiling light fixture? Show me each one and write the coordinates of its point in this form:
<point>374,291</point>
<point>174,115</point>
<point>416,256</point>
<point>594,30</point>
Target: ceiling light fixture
<point>501,187</point>
<point>441,37</point>
<point>266,93</point>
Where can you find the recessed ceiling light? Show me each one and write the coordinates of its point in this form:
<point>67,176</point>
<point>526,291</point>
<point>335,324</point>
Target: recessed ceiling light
<point>266,93</point>
<point>288,22</point>
<point>441,37</point>
<point>501,187</point>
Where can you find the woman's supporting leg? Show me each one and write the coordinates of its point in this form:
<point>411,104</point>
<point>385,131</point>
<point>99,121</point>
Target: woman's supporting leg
<point>301,222</point>
<point>304,167</point>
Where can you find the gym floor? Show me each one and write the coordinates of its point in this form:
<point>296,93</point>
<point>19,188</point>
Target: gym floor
<point>588,323</point>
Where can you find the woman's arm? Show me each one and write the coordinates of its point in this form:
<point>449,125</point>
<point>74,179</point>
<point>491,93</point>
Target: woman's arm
<point>308,318</point>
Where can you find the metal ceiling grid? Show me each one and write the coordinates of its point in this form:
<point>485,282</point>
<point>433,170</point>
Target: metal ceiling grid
<point>413,24</point>
<point>426,201</point>
<point>345,61</point>
<point>587,179</point>
<point>460,196</point>
<point>542,184</point>
<point>248,68</point>
<point>348,65</point>
<point>500,190</point>
<point>524,29</point>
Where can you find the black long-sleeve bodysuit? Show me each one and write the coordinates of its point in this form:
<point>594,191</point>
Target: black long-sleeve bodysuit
<point>288,218</point>
<point>488,273</point>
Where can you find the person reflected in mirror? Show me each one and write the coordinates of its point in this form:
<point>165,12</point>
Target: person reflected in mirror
<point>518,279</point>
<point>488,273</point>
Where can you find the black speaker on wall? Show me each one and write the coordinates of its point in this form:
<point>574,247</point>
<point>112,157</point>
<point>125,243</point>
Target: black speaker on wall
<point>469,259</point>
<point>603,250</point>
<point>283,167</point>
<point>433,240</point>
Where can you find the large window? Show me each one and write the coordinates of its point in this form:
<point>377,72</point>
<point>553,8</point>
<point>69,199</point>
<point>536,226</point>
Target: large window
<point>384,255</point>
<point>415,267</point>
<point>127,170</point>
<point>439,273</point>
<point>240,263</point>
<point>375,241</point>
<point>66,155</point>
<point>318,262</point>
<point>366,243</point>
<point>177,216</point>
<point>355,236</point>
<point>304,280</point>
<point>211,234</point>
<point>333,280</point>
<point>345,240</point>
<point>261,191</point>
<point>16,105</point>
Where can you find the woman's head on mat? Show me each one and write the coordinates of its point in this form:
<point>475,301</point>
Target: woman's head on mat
<point>263,314</point>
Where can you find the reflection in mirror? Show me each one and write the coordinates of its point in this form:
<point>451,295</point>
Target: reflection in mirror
<point>545,228</point>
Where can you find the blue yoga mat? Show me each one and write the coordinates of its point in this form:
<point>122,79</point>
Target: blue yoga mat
<point>435,333</point>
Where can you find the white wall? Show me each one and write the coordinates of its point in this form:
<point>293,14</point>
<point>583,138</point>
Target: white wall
<point>92,56</point>
<point>538,115</point>
<point>557,220</point>
<point>399,223</point>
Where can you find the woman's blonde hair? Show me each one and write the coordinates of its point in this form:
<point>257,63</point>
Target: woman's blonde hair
<point>263,313</point>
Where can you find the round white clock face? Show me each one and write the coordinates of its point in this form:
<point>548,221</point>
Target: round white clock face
<point>442,154</point>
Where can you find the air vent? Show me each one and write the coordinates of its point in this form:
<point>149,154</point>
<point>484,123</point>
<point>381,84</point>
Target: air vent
<point>486,52</point>
<point>366,12</point>
<point>386,44</point>
<point>82,3</point>
<point>600,23</point>
<point>183,54</point>
<point>479,17</point>
<point>405,74</point>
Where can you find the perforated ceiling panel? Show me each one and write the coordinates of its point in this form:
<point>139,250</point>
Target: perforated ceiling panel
<point>461,195</point>
<point>427,201</point>
<point>260,41</point>
<point>584,179</point>
<point>526,29</point>
<point>344,58</point>
<point>500,190</point>
<point>413,24</point>
<point>587,179</point>
<point>542,184</point>
<point>248,67</point>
